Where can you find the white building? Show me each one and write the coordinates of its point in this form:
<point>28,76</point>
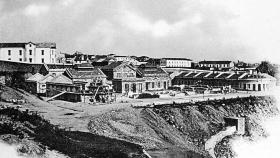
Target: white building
<point>216,64</point>
<point>175,62</point>
<point>258,82</point>
<point>28,52</point>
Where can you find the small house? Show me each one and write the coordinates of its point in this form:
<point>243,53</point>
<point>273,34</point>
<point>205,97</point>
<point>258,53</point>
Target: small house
<point>37,83</point>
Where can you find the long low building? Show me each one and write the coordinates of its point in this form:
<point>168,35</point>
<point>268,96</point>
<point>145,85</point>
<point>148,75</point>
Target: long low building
<point>175,62</point>
<point>239,81</point>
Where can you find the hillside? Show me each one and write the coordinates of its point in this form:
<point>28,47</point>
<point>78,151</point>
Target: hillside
<point>41,129</point>
<point>35,135</point>
<point>122,129</point>
<point>186,127</point>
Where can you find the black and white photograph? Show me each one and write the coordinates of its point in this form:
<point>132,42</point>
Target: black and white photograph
<point>139,78</point>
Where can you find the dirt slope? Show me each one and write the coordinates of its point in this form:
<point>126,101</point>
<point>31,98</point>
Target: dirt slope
<point>187,127</point>
<point>36,135</point>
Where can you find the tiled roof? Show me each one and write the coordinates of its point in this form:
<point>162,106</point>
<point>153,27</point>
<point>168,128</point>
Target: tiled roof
<point>47,78</point>
<point>22,45</point>
<point>12,45</point>
<point>183,74</point>
<point>83,65</point>
<point>152,71</point>
<point>46,45</point>
<point>95,72</point>
<point>59,66</point>
<point>215,62</point>
<point>212,75</point>
<point>36,77</point>
<point>57,70</point>
<point>61,79</point>
<point>224,75</point>
<point>202,75</point>
<point>113,65</point>
<point>256,76</point>
<point>235,76</point>
<point>191,75</point>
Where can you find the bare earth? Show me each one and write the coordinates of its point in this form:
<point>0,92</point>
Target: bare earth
<point>76,116</point>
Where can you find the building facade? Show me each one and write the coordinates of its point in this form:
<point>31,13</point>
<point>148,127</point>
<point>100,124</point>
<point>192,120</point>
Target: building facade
<point>238,81</point>
<point>28,52</point>
<point>124,78</point>
<point>216,64</point>
<point>65,89</point>
<point>175,62</point>
<point>155,78</point>
<point>37,83</point>
<point>86,73</point>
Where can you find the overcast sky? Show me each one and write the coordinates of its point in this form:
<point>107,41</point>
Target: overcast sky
<point>198,29</point>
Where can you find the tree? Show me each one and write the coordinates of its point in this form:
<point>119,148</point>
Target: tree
<point>267,67</point>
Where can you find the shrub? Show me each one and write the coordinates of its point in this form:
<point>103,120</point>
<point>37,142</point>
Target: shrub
<point>148,95</point>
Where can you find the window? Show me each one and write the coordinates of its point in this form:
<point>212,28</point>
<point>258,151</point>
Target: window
<point>119,75</point>
<point>126,87</point>
<point>9,52</point>
<point>140,87</point>
<point>30,45</point>
<point>20,59</point>
<point>30,60</point>
<point>158,84</point>
<point>133,88</point>
<point>43,60</point>
<point>9,58</point>
<point>30,52</point>
<point>20,52</point>
<point>153,84</point>
<point>130,75</point>
<point>42,51</point>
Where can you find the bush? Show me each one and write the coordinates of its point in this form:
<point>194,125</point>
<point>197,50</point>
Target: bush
<point>148,95</point>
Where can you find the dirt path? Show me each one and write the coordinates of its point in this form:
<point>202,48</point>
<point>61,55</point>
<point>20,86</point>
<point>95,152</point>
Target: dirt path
<point>215,139</point>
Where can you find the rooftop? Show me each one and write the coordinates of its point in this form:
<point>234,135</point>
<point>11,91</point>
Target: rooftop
<point>113,65</point>
<point>152,71</point>
<point>177,59</point>
<point>36,77</point>
<point>61,79</point>
<point>89,74</point>
<point>215,62</point>
<point>22,45</point>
